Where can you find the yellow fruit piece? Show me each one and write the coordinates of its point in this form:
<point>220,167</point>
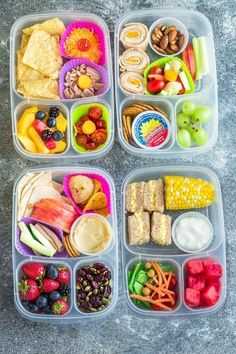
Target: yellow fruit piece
<point>27,143</point>
<point>38,141</point>
<point>26,120</point>
<point>88,127</point>
<point>61,123</point>
<point>60,147</point>
<point>84,82</point>
<point>171,75</point>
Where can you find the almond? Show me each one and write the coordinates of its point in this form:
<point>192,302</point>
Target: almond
<point>170,28</point>
<point>164,42</point>
<point>181,41</point>
<point>172,35</point>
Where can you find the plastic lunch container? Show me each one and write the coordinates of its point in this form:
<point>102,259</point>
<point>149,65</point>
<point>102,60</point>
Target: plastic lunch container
<point>109,257</point>
<point>19,103</point>
<point>171,254</point>
<point>205,90</point>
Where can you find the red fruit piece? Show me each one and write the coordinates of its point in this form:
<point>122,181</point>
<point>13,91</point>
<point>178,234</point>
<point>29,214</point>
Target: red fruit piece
<point>63,276</point>
<point>39,126</point>
<point>192,297</point>
<point>207,261</point>
<point>84,119</point>
<point>196,282</point>
<point>156,70</point>
<point>212,271</point>
<point>155,86</point>
<point>81,139</point>
<point>29,290</point>
<point>34,270</point>
<point>95,113</point>
<point>210,296</point>
<point>60,307</point>
<point>214,282</point>
<point>90,146</point>
<point>100,123</point>
<point>195,266</point>
<point>99,137</point>
<point>49,285</point>
<point>50,144</point>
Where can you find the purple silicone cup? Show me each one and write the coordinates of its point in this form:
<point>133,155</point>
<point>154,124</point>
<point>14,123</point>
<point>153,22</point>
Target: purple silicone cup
<point>75,62</point>
<point>89,25</point>
<point>104,184</point>
<point>27,251</point>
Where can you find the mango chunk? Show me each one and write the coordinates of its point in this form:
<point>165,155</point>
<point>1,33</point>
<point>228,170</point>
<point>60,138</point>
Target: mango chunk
<point>27,143</point>
<point>26,120</point>
<point>61,123</point>
<point>61,146</point>
<point>38,141</point>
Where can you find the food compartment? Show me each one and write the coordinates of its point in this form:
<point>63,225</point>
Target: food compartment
<point>204,282</point>
<point>152,243</point>
<point>95,292</point>
<point>96,138</point>
<point>135,281</point>
<point>42,292</point>
<point>30,132</point>
<point>132,108</point>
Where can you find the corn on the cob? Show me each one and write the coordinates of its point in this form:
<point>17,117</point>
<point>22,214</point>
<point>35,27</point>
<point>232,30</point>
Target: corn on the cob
<point>187,193</point>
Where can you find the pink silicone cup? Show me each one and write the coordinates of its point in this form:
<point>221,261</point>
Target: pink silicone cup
<point>27,250</point>
<point>89,25</point>
<point>75,62</point>
<point>104,184</point>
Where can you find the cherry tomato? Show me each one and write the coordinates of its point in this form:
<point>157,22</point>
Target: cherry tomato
<point>90,146</point>
<point>157,70</point>
<point>99,136</point>
<point>156,77</point>
<point>100,123</point>
<point>84,118</point>
<point>155,86</point>
<point>95,113</point>
<point>84,45</point>
<point>81,140</point>
<point>78,127</point>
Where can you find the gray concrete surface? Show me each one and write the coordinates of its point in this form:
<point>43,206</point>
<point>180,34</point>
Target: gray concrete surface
<point>122,332</point>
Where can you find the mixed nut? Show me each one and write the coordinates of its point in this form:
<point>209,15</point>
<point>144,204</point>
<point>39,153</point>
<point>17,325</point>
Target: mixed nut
<point>167,39</point>
<point>94,290</point>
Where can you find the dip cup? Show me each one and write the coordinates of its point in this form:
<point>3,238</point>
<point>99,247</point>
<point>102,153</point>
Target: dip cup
<point>102,218</point>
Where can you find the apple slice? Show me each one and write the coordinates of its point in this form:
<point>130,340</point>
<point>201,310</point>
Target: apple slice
<point>191,61</point>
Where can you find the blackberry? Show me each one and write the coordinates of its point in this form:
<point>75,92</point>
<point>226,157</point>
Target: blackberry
<point>46,135</point>
<point>64,290</point>
<point>54,112</point>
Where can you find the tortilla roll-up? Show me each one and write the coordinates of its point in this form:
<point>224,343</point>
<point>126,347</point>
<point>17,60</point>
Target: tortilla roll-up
<point>134,59</point>
<point>134,35</point>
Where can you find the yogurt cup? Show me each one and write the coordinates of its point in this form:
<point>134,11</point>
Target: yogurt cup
<point>190,215</point>
<point>151,130</point>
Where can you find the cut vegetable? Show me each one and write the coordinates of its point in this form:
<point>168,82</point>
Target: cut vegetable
<point>203,55</point>
<point>197,58</point>
<point>39,237</point>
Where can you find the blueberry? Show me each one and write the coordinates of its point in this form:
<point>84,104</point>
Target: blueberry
<point>51,122</point>
<point>52,271</point>
<point>33,307</point>
<point>41,301</point>
<point>57,135</point>
<point>54,295</point>
<point>47,310</point>
<point>40,115</point>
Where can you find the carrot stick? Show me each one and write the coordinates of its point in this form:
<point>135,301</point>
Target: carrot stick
<point>156,290</point>
<point>166,290</point>
<point>148,299</point>
<point>159,270</point>
<point>168,280</point>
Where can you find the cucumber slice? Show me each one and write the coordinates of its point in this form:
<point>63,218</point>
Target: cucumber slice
<point>203,55</point>
<point>39,237</point>
<point>196,52</point>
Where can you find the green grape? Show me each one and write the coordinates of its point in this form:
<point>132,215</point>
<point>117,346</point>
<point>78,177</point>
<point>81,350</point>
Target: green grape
<point>188,107</point>
<point>202,114</point>
<point>191,128</point>
<point>200,136</point>
<point>184,138</point>
<point>182,120</point>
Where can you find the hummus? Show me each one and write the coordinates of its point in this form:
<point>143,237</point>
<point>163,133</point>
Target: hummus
<point>91,234</point>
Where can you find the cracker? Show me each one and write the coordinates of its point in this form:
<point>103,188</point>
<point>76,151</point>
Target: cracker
<point>128,124</point>
<point>158,109</point>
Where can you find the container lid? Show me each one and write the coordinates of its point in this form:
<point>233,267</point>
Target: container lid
<point>151,130</point>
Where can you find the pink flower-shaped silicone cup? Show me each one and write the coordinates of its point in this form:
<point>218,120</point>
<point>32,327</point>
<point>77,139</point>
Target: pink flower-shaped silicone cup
<point>104,184</point>
<point>27,250</point>
<point>75,62</point>
<point>89,25</point>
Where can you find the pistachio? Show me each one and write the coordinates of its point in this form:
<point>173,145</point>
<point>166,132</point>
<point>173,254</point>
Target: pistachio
<point>105,301</point>
<point>85,283</point>
<point>88,287</point>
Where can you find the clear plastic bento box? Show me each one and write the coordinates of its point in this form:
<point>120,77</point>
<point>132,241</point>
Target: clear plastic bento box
<point>69,107</point>
<point>171,255</point>
<point>22,254</point>
<point>204,93</point>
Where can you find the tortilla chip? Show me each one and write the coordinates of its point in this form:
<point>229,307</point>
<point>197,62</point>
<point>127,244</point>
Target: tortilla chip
<point>54,26</point>
<point>43,88</point>
<point>104,212</point>
<point>97,201</point>
<point>42,54</point>
<point>24,72</point>
<point>24,41</point>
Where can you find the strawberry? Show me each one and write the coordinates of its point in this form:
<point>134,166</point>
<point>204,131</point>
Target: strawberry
<point>60,307</point>
<point>34,271</point>
<point>49,285</point>
<point>29,290</point>
<point>63,276</point>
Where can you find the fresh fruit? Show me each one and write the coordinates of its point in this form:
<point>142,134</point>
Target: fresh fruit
<point>57,135</point>
<point>90,146</point>
<point>63,276</point>
<point>46,135</point>
<point>184,80</point>
<point>49,285</point>
<point>60,307</point>
<point>61,123</point>
<point>210,296</point>
<point>64,290</point>
<point>99,137</point>
<point>183,120</point>
<point>39,126</point>
<point>54,295</point>
<point>214,282</point>
<point>26,120</point>
<point>27,143</point>
<point>50,144</point>
<point>156,70</point>
<point>34,270</point>
<point>184,138</point>
<point>33,308</point>
<point>155,86</point>
<point>202,114</point>
<point>188,107</point>
<point>81,140</point>
<point>42,301</point>
<point>171,75</point>
<point>95,113</point>
<point>29,289</point>
<point>60,147</point>
<point>195,266</point>
<point>54,112</point>
<point>213,271</point>
<point>51,122</point>
<point>41,148</point>
<point>51,271</point>
<point>100,123</point>
<point>192,297</point>
<point>200,136</point>
<point>88,127</point>
<point>40,115</point>
<point>196,282</point>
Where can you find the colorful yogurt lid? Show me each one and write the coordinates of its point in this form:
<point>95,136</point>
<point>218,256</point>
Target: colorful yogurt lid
<point>151,130</point>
